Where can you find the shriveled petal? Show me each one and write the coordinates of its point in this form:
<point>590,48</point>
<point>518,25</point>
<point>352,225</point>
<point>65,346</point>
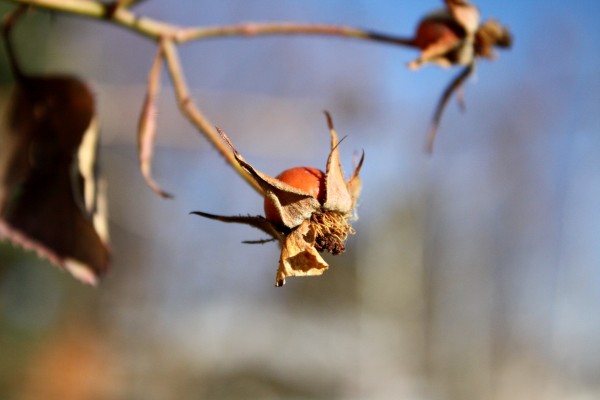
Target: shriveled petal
<point>293,205</point>
<point>337,197</point>
<point>299,256</point>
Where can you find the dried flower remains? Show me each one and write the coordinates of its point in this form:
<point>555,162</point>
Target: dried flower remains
<point>454,36</point>
<point>306,210</point>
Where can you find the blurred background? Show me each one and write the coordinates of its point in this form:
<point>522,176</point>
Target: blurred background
<point>474,272</point>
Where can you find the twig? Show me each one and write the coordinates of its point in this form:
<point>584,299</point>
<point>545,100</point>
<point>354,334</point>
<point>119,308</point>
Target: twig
<point>168,35</point>
<point>156,29</point>
<point>250,29</point>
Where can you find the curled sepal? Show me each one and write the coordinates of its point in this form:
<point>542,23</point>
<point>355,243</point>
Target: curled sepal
<point>257,222</point>
<point>292,204</point>
<point>147,125</point>
<point>452,87</point>
<point>337,196</point>
<point>299,256</point>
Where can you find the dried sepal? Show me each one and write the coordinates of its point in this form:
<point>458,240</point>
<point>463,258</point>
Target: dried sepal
<point>299,257</point>
<point>453,86</point>
<point>257,222</point>
<point>147,125</point>
<point>292,204</point>
<point>465,14</point>
<point>337,196</point>
<point>489,35</point>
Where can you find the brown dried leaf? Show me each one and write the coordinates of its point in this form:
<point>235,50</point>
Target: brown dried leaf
<point>39,184</point>
<point>299,256</point>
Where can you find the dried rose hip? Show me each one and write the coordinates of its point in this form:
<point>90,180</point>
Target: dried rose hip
<point>306,210</point>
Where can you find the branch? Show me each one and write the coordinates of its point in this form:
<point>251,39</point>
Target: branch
<point>167,35</point>
<point>250,29</point>
<point>156,29</point>
<point>189,109</point>
<point>119,16</point>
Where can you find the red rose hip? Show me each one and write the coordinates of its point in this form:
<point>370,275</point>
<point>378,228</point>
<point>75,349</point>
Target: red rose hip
<point>307,179</point>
